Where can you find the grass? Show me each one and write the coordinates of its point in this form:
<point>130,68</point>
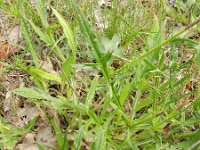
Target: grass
<point>128,85</point>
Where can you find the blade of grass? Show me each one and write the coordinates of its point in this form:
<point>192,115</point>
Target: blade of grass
<point>67,31</point>
<point>28,40</point>
<point>100,141</point>
<point>59,135</point>
<point>91,92</point>
<point>124,93</point>
<point>44,37</point>
<point>48,39</point>
<point>27,92</point>
<point>42,12</point>
<point>41,147</point>
<point>30,125</point>
<point>78,139</point>
<point>43,74</point>
<point>198,56</point>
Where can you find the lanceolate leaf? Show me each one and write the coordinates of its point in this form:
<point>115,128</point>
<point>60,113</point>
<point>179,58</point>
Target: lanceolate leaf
<point>59,135</point>
<point>100,141</point>
<point>30,125</point>
<point>67,66</point>
<point>42,12</point>
<point>44,37</point>
<point>28,93</point>
<point>47,37</point>
<point>198,56</point>
<point>44,98</point>
<point>78,139</point>
<point>93,116</point>
<point>42,74</point>
<point>91,92</point>
<point>146,102</point>
<point>68,32</point>
<point>28,40</point>
<point>156,37</point>
<point>124,93</point>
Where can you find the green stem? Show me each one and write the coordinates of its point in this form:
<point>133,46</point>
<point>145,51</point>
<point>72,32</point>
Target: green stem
<point>127,66</point>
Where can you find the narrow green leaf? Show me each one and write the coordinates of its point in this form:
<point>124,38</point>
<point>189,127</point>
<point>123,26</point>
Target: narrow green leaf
<point>43,74</point>
<point>59,135</point>
<point>42,12</point>
<point>91,92</point>
<point>198,56</point>
<point>67,65</point>
<point>47,37</point>
<point>44,37</point>
<point>94,117</point>
<point>109,118</point>
<point>30,125</point>
<point>68,32</point>
<point>178,97</point>
<point>132,144</point>
<point>40,146</point>
<point>78,139</point>
<point>145,102</point>
<point>39,94</point>
<point>154,32</point>
<point>27,92</point>
<point>185,64</point>
<point>99,143</point>
<point>124,93</point>
<point>156,37</point>
<point>181,81</point>
<point>66,145</point>
<point>28,40</point>
<point>193,143</point>
<point>149,63</point>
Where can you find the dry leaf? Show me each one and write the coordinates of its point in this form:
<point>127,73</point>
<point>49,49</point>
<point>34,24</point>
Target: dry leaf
<point>46,137</point>
<point>15,35</point>
<point>26,114</point>
<point>5,51</point>
<point>48,66</point>
<point>7,103</point>
<point>28,143</point>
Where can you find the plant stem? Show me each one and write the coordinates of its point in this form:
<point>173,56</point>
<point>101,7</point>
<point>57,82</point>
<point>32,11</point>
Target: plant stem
<point>128,66</point>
